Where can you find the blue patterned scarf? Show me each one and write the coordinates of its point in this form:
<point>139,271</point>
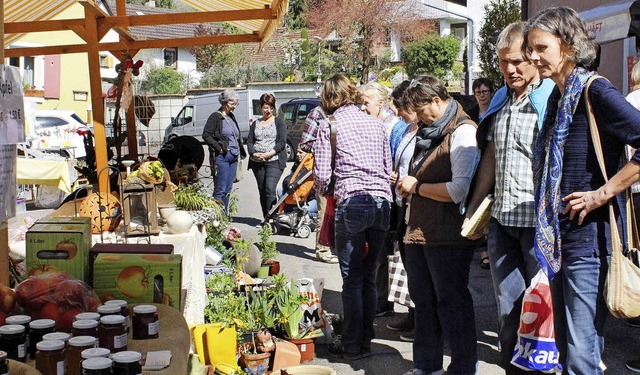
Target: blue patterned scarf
<point>547,173</point>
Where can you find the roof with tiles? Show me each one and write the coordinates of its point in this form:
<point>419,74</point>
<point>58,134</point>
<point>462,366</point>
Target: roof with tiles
<point>274,49</point>
<point>186,30</point>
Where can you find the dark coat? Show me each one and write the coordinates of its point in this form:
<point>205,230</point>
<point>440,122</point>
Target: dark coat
<point>213,137</point>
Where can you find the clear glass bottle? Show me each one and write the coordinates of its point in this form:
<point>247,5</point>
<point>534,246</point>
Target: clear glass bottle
<point>62,336</point>
<point>145,322</point>
<point>37,329</point>
<point>112,334</point>
<point>105,310</point>
<point>97,366</point>
<point>95,353</point>
<point>24,321</point>
<point>124,311</point>
<point>50,357</point>
<point>127,363</point>
<point>88,316</point>
<point>87,327</point>
<point>12,341</point>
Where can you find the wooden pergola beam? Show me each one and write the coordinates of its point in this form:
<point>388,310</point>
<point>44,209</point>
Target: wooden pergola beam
<point>134,45</point>
<point>143,20</point>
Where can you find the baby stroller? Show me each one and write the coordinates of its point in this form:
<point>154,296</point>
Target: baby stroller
<point>291,211</point>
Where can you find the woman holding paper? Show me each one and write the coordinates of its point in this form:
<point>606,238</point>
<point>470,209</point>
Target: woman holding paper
<point>437,256</point>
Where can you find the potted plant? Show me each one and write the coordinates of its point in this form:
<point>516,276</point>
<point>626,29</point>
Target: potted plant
<point>247,256</point>
<point>260,315</point>
<point>270,266</point>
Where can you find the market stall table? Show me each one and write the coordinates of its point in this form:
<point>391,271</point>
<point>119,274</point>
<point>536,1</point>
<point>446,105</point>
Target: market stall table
<point>44,172</point>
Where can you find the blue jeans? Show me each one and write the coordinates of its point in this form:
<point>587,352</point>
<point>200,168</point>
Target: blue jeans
<point>513,265</point>
<point>225,169</point>
<point>359,220</point>
<point>438,279</point>
<point>579,313</point>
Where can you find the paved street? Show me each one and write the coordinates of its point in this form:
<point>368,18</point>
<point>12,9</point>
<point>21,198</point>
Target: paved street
<point>390,355</point>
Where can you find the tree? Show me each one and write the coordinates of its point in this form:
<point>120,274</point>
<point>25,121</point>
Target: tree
<point>434,55</point>
<point>497,15</point>
<point>159,3</point>
<point>164,81</point>
<point>363,25</point>
<point>294,19</point>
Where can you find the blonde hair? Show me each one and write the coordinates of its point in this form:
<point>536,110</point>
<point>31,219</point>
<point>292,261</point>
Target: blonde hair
<point>375,90</point>
<point>338,91</point>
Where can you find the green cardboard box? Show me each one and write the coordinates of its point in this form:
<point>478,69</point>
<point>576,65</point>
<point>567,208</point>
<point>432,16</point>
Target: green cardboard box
<point>80,220</point>
<point>58,247</point>
<point>139,278</point>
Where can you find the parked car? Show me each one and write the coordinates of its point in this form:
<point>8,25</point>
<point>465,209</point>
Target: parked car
<point>294,113</point>
<point>59,129</point>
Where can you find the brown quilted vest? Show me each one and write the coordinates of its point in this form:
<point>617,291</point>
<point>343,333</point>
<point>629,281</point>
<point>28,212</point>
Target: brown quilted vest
<point>432,222</point>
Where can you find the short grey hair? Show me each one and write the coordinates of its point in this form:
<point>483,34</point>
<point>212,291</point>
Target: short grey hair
<point>227,96</point>
<point>566,24</point>
<point>374,88</point>
<point>512,34</point>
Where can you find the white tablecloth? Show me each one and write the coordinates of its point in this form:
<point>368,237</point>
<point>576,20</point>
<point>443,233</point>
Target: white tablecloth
<point>191,246</point>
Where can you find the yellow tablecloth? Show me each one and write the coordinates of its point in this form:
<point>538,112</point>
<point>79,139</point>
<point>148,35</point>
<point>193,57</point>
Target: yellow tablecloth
<point>44,172</point>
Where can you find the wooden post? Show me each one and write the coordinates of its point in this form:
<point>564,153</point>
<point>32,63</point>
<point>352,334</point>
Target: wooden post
<point>4,224</point>
<point>97,103</point>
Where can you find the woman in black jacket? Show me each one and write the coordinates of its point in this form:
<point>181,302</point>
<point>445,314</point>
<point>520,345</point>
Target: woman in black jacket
<point>266,144</point>
<point>222,134</point>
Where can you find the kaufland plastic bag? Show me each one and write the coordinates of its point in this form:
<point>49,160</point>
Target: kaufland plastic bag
<point>313,320</point>
<point>536,346</point>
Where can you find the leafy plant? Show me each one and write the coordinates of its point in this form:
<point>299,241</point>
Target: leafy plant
<point>229,309</point>
<point>164,81</point>
<point>267,245</point>
<point>194,198</point>
<point>241,248</point>
<point>432,55</point>
<point>221,283</point>
<point>287,300</point>
<point>497,15</point>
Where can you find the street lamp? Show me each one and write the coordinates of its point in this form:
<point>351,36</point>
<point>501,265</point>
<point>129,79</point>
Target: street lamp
<point>319,73</point>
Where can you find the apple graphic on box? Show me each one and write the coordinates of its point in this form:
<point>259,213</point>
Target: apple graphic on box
<point>133,282</point>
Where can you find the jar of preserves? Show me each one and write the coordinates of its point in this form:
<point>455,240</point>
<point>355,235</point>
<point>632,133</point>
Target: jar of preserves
<point>62,336</point>
<point>124,310</point>
<point>24,321</point>
<point>97,366</point>
<point>87,327</point>
<point>75,347</point>
<point>111,333</point>
<point>95,352</point>
<point>37,329</point>
<point>50,357</point>
<point>4,364</point>
<point>127,363</point>
<point>88,316</point>
<point>12,341</point>
<point>145,322</point>
<point>105,310</point>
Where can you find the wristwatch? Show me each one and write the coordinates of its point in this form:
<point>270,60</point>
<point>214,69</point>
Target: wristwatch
<point>417,192</point>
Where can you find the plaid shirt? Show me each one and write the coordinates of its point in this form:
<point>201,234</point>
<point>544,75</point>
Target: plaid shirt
<point>363,156</point>
<point>310,132</point>
<point>514,134</point>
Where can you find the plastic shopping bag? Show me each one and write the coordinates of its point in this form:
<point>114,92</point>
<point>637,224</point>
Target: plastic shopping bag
<point>536,346</point>
<point>313,317</point>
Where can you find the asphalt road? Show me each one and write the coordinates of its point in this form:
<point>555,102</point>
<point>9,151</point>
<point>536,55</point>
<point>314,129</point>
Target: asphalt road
<point>390,354</point>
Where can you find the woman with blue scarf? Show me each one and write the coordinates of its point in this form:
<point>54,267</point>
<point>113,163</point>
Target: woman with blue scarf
<point>572,225</point>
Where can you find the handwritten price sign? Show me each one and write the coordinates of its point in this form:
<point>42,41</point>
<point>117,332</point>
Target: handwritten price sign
<point>11,106</point>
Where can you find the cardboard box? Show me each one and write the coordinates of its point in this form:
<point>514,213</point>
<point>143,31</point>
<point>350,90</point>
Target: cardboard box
<point>59,247</point>
<point>139,278</point>
<point>120,248</point>
<point>80,220</point>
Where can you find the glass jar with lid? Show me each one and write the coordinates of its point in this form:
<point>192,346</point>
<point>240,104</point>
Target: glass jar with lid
<point>127,363</point>
<point>145,322</point>
<point>105,310</point>
<point>50,358</point>
<point>88,327</point>
<point>75,346</point>
<point>12,341</point>
<point>111,333</point>
<point>4,364</point>
<point>24,321</point>
<point>97,366</point>
<point>95,352</point>
<point>62,336</point>
<point>37,329</point>
<point>124,310</point>
<point>88,316</point>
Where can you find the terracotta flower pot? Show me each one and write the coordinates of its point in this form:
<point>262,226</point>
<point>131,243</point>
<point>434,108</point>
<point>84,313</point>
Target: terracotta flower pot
<point>274,268</point>
<point>306,347</point>
<point>253,361</point>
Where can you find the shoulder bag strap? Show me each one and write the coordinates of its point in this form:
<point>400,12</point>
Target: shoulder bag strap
<point>632,234</point>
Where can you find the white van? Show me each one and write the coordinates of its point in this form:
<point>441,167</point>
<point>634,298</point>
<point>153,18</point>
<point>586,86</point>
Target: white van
<point>193,116</point>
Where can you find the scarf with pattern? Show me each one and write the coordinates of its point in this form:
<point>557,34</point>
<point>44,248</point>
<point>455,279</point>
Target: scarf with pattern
<point>547,173</point>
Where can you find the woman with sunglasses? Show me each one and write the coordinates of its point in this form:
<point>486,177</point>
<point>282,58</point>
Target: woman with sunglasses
<point>437,256</point>
<point>222,134</point>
